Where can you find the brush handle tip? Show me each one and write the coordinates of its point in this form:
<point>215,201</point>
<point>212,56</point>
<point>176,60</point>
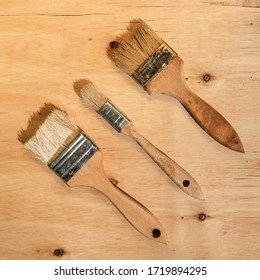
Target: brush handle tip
<point>141,218</point>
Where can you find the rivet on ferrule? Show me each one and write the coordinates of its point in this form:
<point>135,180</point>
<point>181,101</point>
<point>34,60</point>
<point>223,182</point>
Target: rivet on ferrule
<point>113,116</point>
<point>154,64</point>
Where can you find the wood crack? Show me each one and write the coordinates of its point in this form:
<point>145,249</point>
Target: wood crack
<point>241,3</point>
<point>56,15</point>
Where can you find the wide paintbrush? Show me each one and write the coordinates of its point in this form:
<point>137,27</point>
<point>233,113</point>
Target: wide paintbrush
<point>55,140</point>
<point>143,55</point>
<point>95,99</point>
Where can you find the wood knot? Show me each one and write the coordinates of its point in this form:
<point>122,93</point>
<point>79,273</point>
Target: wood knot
<point>58,252</point>
<point>202,216</point>
<point>113,44</point>
<point>206,78</point>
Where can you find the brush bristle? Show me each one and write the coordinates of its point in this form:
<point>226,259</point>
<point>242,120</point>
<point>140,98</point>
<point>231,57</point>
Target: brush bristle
<point>90,94</point>
<point>48,132</point>
<point>134,46</point>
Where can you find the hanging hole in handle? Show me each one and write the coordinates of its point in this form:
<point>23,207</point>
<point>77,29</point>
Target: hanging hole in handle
<point>186,183</point>
<point>156,233</point>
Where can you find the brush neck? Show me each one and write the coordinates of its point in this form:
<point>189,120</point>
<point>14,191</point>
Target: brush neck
<point>170,81</point>
<point>113,116</point>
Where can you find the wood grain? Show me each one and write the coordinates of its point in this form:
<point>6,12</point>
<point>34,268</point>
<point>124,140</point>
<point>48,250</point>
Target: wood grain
<point>47,45</point>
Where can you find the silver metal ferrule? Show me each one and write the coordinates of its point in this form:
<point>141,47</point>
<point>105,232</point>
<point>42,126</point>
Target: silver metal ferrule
<point>73,157</point>
<point>114,117</point>
<point>154,65</point>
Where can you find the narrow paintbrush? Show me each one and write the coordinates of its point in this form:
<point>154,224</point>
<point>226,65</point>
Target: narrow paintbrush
<point>158,69</point>
<point>92,96</point>
<point>65,148</point>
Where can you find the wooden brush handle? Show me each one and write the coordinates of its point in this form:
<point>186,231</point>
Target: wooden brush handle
<point>211,121</point>
<point>176,173</point>
<point>170,81</point>
<point>92,175</point>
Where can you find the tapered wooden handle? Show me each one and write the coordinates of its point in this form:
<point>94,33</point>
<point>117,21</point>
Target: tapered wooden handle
<point>170,81</point>
<point>137,214</point>
<point>175,172</point>
<point>211,121</point>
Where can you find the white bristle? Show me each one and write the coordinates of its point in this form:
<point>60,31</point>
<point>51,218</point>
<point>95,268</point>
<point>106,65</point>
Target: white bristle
<point>93,96</point>
<point>134,46</point>
<point>51,136</point>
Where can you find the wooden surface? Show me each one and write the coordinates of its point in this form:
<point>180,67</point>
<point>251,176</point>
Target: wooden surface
<point>46,45</point>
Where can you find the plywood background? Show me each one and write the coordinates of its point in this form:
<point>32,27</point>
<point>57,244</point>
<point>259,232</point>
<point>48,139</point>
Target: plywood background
<point>46,45</point>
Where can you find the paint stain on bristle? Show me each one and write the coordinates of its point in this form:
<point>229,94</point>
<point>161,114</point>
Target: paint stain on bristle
<point>48,132</point>
<point>35,121</point>
<point>79,84</point>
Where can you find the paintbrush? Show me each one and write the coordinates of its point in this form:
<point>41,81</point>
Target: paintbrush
<point>143,55</point>
<point>60,144</point>
<point>95,99</point>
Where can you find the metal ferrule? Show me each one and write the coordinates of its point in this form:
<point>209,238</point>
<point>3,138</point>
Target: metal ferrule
<point>154,65</point>
<point>114,117</point>
<point>73,157</point>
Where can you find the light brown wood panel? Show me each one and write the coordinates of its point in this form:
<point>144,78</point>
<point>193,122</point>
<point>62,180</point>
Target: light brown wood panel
<point>47,45</point>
